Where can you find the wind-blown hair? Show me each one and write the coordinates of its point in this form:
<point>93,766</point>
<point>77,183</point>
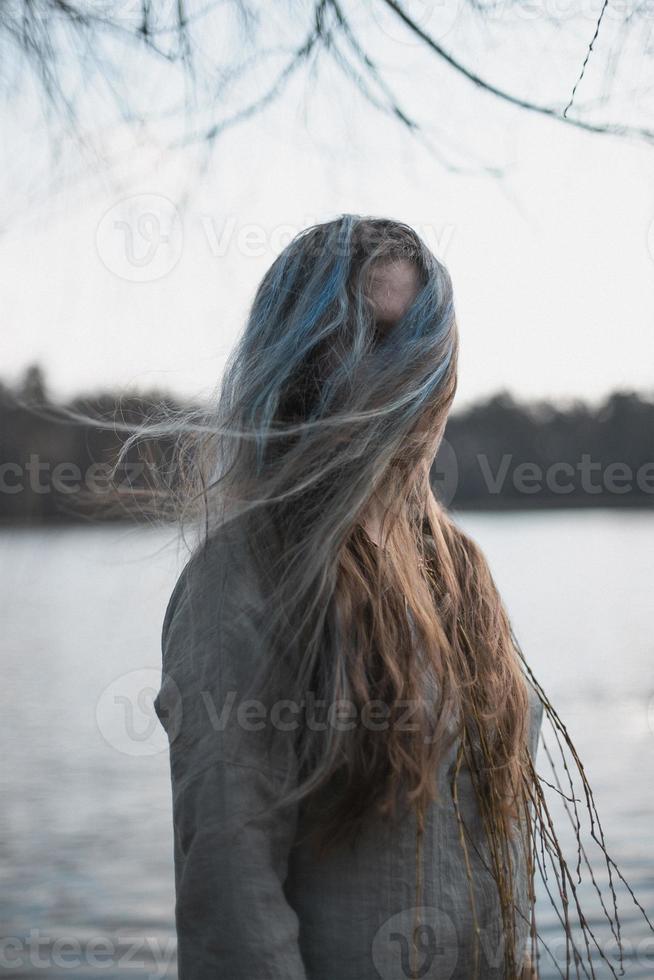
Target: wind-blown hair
<point>341,409</point>
<point>335,409</point>
<point>325,406</point>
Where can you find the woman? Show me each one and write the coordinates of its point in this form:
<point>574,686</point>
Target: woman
<point>352,732</point>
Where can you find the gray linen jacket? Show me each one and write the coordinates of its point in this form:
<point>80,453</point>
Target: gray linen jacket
<point>253,900</point>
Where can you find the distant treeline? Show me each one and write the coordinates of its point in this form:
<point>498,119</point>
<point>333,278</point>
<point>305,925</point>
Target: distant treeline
<point>497,454</point>
<point>511,455</point>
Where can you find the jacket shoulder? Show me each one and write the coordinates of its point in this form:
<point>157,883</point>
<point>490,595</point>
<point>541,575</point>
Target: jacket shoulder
<point>217,570</point>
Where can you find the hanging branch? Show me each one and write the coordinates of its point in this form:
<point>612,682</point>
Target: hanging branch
<point>551,112</point>
<point>57,35</point>
<point>586,59</point>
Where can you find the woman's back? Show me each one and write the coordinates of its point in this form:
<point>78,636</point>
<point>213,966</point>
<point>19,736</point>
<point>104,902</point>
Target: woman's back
<point>307,828</point>
<point>361,905</point>
<point>255,897</point>
<point>352,723</point>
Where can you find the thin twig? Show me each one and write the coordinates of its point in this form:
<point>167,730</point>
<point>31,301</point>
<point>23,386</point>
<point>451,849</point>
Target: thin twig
<point>586,59</point>
<point>543,110</point>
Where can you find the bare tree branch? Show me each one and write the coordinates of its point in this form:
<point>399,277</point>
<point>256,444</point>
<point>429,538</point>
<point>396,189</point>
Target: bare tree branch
<point>543,110</point>
<point>156,63</point>
<point>587,58</point>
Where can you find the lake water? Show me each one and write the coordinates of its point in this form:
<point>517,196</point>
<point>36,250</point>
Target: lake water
<point>85,834</point>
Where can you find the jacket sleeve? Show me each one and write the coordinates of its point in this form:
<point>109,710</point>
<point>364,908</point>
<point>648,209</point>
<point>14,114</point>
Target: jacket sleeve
<point>231,844</point>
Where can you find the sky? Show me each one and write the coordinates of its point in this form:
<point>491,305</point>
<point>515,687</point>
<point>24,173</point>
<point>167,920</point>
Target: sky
<point>140,274</point>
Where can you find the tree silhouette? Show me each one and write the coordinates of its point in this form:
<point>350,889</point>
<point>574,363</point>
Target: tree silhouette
<point>499,453</point>
<point>227,60</point>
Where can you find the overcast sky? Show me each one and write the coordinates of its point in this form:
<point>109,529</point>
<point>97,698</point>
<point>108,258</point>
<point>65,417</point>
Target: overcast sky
<point>117,282</point>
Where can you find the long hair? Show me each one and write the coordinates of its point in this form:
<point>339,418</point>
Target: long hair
<point>342,409</point>
<point>324,407</point>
